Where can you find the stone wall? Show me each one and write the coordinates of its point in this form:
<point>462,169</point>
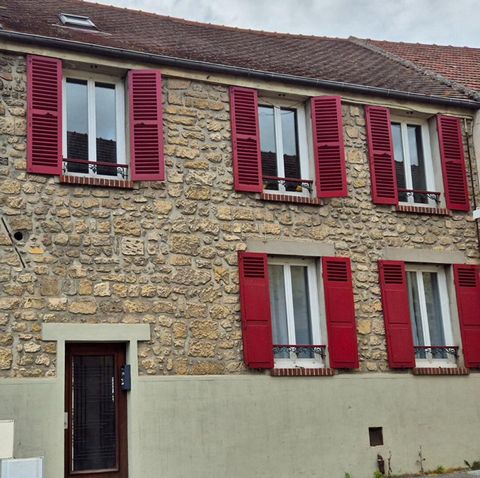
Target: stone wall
<point>166,253</point>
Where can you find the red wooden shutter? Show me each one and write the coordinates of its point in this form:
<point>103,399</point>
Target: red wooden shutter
<point>396,314</point>
<point>453,163</point>
<point>380,151</point>
<point>255,309</point>
<point>340,311</point>
<point>146,125</point>
<point>44,115</point>
<point>247,163</point>
<point>467,283</point>
<point>328,146</point>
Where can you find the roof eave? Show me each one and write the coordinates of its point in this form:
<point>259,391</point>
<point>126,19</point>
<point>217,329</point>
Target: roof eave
<point>113,52</point>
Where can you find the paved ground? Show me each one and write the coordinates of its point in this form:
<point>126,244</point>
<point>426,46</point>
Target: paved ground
<point>472,474</point>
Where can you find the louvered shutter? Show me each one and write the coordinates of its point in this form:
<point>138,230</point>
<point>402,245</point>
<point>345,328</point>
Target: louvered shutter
<point>453,163</point>
<point>340,312</point>
<point>380,150</point>
<point>396,314</point>
<point>328,146</point>
<point>255,310</point>
<point>467,284</point>
<point>146,125</point>
<point>44,115</point>
<point>247,163</point>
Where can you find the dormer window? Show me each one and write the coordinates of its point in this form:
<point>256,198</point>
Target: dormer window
<point>77,21</point>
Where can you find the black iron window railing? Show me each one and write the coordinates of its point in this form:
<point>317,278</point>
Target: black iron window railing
<point>419,195</point>
<point>299,350</point>
<point>290,184</point>
<point>101,168</point>
<point>436,351</point>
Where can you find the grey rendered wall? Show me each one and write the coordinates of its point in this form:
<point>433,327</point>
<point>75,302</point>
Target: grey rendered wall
<point>260,426</point>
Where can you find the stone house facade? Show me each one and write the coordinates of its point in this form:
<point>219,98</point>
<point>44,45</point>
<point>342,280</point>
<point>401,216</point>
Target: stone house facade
<point>149,259</point>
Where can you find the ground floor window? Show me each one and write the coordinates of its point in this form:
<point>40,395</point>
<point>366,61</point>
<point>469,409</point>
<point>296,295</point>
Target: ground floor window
<point>295,313</point>
<point>431,322</point>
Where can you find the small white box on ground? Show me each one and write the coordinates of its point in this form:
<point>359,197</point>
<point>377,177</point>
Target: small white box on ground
<point>6,439</point>
<point>476,214</point>
<point>22,468</point>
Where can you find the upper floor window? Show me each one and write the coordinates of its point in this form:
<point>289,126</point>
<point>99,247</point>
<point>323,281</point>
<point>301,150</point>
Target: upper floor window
<point>94,126</point>
<point>415,161</point>
<point>273,155</point>
<point>284,149</point>
<point>429,310</point>
<point>77,127</point>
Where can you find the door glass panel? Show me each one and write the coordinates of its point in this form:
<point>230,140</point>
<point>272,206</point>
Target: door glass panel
<point>105,115</point>
<point>93,413</point>
<point>417,163</point>
<point>301,309</point>
<point>279,308</point>
<point>77,124</point>
<point>268,145</point>
<point>434,312</point>
<point>291,157</point>
<point>413,298</point>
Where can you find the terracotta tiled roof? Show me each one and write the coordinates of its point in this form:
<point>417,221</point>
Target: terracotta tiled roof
<point>459,64</point>
<point>310,57</point>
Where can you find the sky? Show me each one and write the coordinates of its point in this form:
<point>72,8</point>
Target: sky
<point>444,22</point>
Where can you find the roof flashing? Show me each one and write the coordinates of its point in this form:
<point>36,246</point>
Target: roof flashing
<point>77,21</point>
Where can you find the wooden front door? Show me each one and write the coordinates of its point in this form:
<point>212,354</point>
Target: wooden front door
<point>96,433</point>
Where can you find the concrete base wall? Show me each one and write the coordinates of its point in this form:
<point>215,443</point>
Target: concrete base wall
<point>260,426</point>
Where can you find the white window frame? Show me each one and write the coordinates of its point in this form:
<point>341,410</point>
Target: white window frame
<point>120,125</point>
<point>316,313</point>
<point>302,140</point>
<point>427,156</point>
<point>430,361</point>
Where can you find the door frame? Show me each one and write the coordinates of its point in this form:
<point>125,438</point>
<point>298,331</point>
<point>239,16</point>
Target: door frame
<point>118,349</point>
<point>60,333</point>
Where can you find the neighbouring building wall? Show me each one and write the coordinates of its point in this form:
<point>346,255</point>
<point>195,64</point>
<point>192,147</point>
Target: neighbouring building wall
<point>165,253</point>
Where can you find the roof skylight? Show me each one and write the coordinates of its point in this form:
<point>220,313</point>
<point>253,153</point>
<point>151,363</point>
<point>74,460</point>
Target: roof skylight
<point>78,21</point>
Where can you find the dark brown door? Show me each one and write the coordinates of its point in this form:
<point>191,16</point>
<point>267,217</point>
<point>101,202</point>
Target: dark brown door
<point>96,434</point>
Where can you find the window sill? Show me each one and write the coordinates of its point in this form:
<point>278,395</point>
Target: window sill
<point>441,371</point>
<point>90,181</point>
<point>291,199</point>
<point>430,211</point>
<point>302,372</point>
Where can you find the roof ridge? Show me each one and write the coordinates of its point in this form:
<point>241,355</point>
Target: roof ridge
<point>459,87</point>
<point>213,25</point>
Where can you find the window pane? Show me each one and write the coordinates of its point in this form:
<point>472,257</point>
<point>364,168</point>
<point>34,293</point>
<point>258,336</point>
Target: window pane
<point>413,298</point>
<point>105,120</point>
<point>417,163</point>
<point>77,124</point>
<point>301,309</point>
<point>279,309</point>
<point>434,311</point>
<point>267,145</point>
<point>291,158</point>
<point>399,160</point>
